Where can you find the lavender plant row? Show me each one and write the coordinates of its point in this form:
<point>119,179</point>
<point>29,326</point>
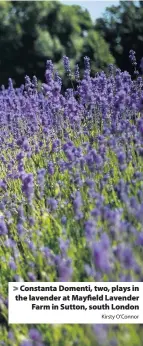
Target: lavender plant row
<point>71,193</point>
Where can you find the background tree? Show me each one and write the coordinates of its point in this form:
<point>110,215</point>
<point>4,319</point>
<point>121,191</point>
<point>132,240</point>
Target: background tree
<point>32,32</point>
<point>122,28</point>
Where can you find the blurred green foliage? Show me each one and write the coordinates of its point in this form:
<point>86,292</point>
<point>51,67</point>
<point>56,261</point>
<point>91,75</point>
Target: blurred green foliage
<point>32,32</point>
<point>122,28</point>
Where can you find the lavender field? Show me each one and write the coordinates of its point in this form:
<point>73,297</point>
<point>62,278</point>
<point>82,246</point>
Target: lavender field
<point>71,193</point>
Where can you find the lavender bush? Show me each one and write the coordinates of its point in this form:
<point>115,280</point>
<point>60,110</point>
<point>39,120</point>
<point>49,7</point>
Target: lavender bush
<point>71,192</point>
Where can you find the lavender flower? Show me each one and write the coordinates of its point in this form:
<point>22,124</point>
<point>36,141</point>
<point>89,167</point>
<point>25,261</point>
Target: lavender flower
<point>3,227</point>
<point>28,185</point>
<point>77,76</point>
<point>66,64</point>
<point>52,203</point>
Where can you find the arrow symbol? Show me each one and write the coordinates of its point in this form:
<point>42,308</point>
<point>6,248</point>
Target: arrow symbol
<point>15,288</point>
